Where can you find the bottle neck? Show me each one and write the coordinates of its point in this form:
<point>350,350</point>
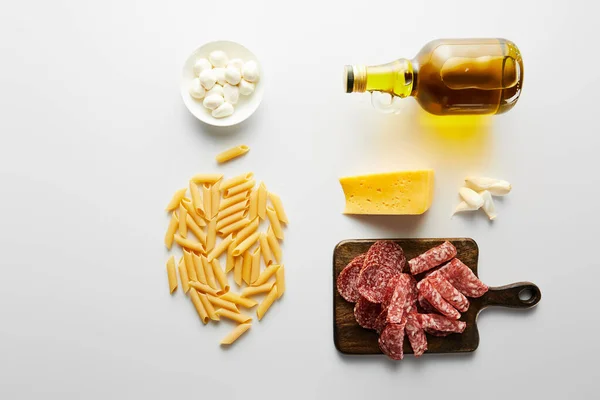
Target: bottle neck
<point>395,78</point>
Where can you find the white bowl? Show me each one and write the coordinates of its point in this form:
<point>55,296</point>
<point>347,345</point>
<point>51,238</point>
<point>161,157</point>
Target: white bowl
<point>246,104</point>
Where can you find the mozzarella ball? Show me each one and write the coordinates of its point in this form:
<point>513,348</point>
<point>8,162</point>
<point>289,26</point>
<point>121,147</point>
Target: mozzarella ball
<point>232,75</point>
<point>224,110</point>
<point>218,59</point>
<point>197,91</point>
<point>213,101</point>
<point>200,65</point>
<point>217,89</point>
<point>236,63</point>
<point>250,71</point>
<point>231,93</point>
<point>246,87</point>
<point>208,78</point>
<point>220,73</point>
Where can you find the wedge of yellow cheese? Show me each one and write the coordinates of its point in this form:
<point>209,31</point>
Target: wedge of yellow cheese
<point>392,193</point>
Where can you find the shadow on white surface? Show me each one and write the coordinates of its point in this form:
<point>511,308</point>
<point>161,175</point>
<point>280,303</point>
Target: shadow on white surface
<point>392,225</point>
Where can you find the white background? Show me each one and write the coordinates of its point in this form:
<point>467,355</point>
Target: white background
<point>95,138</point>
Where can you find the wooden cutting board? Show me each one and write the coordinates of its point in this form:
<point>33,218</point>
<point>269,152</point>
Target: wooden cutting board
<point>350,338</point>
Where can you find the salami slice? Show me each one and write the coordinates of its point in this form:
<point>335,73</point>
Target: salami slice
<point>449,292</point>
<point>434,298</point>
<point>416,334</point>
<point>390,290</point>
<point>391,341</point>
<point>428,308</point>
<point>462,278</point>
<point>347,280</point>
<point>373,281</point>
<point>439,323</point>
<point>395,310</point>
<point>381,321</point>
<point>432,258</point>
<point>386,253</point>
<point>411,295</point>
<point>366,313</point>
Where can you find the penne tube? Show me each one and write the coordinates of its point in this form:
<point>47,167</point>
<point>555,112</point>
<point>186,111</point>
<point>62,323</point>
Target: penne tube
<point>266,274</point>
<point>275,225</point>
<point>183,276</point>
<point>204,288</point>
<point>237,270</point>
<point>246,266</point>
<point>265,250</point>
<point>196,230</point>
<point>255,271</point>
<point>215,199</point>
<point>182,220</point>
<point>220,248</point>
<point>210,310</point>
<point>245,244</point>
<point>235,334</point>
<point>206,200</point>
<point>232,191</point>
<point>230,263</point>
<point>222,223</point>
<point>172,274</point>
<point>228,202</point>
<point>202,313</point>
<point>247,231</point>
<point>237,299</point>
<point>237,180</point>
<point>264,306</point>
<point>219,302</point>
<point>253,206</point>
<point>278,206</point>
<point>236,226</point>
<point>176,199</point>
<point>211,234</point>
<point>170,234</point>
<point>220,275</point>
<point>280,281</point>
<point>208,272</point>
<point>189,206</point>
<point>189,244</point>
<point>199,268</point>
<point>262,201</point>
<point>237,317</point>
<point>254,290</point>
<point>197,202</point>
<point>232,153</point>
<point>274,244</point>
<point>241,206</point>
<point>189,265</point>
<point>206,178</point>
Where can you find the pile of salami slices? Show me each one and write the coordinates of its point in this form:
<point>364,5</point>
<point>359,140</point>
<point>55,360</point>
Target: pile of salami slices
<point>390,300</point>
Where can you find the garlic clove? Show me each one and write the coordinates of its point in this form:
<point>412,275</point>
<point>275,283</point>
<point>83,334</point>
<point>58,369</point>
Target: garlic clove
<point>471,197</point>
<point>496,187</point>
<point>488,204</point>
<point>463,206</point>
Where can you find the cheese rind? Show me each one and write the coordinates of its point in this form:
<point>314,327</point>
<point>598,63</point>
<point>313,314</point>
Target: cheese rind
<point>392,193</point>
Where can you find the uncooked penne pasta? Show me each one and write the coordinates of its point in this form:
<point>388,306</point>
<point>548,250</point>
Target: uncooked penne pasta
<point>255,271</point>
<point>211,235</point>
<point>230,263</point>
<point>232,191</point>
<point>266,303</point>
<point>247,266</point>
<point>266,274</point>
<point>236,180</point>
<point>210,310</point>
<point>247,231</point>
<point>199,268</point>
<point>197,199</point>
<point>196,230</point>
<point>204,288</point>
<point>280,281</point>
<point>237,270</point>
<point>241,206</point>
<point>220,248</point>
<point>277,230</point>
<point>278,206</point>
<point>182,221</point>
<point>237,317</point>
<point>236,226</point>
<point>237,299</point>
<point>219,302</point>
<point>174,203</point>
<point>206,200</point>
<point>206,178</point>
<point>228,202</point>
<point>202,313</point>
<point>235,334</point>
<point>189,244</point>
<point>222,223</point>
<point>254,290</point>
<point>183,276</point>
<point>189,265</point>
<point>253,207</point>
<point>208,272</point>
<point>189,206</point>
<point>172,274</point>
<point>262,201</point>
<point>220,275</point>
<point>232,153</point>
<point>245,244</point>
<point>274,244</point>
<point>170,234</point>
<point>265,250</point>
<point>215,199</point>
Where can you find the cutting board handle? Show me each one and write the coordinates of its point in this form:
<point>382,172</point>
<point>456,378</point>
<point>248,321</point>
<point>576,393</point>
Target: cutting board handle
<point>515,295</point>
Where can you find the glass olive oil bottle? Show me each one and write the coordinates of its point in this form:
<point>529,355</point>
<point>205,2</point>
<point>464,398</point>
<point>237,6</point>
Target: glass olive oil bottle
<point>449,77</point>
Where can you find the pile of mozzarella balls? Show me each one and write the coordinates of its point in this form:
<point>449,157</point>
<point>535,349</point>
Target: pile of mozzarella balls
<point>220,81</point>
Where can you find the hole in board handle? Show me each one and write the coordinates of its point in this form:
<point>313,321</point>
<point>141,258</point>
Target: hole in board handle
<point>526,295</point>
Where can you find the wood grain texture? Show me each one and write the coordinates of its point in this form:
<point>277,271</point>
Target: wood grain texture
<point>350,338</point>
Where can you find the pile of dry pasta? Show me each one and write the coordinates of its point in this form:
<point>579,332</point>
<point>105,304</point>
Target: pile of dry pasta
<point>230,210</point>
